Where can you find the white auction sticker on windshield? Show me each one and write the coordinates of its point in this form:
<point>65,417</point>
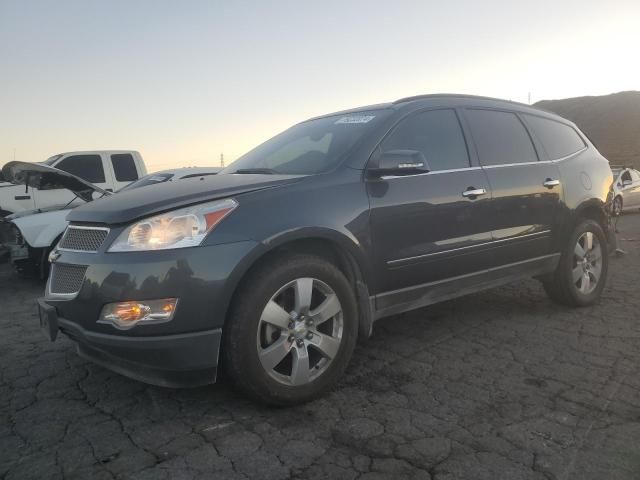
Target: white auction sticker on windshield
<point>356,119</point>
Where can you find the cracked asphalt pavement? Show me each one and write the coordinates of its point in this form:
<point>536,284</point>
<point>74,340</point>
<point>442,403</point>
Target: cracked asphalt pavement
<point>499,385</point>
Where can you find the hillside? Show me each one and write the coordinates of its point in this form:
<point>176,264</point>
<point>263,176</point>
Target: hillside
<point>612,122</point>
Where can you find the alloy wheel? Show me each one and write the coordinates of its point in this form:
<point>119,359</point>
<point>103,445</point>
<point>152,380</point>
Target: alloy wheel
<point>300,331</point>
<point>587,264</point>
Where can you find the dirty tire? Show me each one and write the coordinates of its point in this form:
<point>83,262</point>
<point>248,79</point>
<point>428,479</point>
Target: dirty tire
<point>561,288</point>
<point>240,350</point>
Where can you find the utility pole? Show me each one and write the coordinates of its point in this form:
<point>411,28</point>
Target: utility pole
<point>529,98</point>
<point>222,159</point>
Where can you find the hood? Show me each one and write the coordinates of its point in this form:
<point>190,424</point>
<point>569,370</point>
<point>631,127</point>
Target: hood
<point>27,213</point>
<point>44,177</point>
<point>142,202</point>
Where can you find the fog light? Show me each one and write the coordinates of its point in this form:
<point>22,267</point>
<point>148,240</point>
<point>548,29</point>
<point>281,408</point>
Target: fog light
<point>126,315</point>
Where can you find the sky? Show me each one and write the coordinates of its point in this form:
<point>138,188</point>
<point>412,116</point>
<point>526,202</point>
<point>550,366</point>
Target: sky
<point>184,81</point>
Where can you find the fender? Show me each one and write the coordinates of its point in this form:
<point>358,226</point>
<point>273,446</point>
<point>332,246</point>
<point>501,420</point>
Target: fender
<point>344,240</point>
<point>41,229</point>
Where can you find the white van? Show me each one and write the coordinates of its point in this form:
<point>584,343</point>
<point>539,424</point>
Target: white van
<point>109,170</point>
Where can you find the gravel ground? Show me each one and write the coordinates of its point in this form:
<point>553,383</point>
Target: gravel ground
<point>502,384</point>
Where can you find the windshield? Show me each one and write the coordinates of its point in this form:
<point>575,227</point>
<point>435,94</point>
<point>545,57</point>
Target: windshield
<point>310,147</point>
<point>148,180</point>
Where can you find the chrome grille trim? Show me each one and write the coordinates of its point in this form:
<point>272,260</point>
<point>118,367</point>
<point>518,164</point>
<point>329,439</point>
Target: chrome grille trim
<point>83,239</point>
<point>66,279</point>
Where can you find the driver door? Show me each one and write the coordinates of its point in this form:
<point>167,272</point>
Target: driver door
<point>425,227</point>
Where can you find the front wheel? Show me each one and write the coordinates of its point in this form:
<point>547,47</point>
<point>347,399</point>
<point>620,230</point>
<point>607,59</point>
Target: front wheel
<point>582,270</point>
<point>292,330</point>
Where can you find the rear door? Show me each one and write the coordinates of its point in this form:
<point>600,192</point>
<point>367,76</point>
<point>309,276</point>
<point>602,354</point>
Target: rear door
<point>526,191</point>
<point>124,169</point>
<point>426,227</point>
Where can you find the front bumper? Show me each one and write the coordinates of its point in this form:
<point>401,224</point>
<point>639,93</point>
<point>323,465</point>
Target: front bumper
<point>180,353</point>
<point>182,360</point>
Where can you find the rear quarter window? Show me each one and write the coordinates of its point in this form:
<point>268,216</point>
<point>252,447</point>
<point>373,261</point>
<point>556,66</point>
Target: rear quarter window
<point>558,140</point>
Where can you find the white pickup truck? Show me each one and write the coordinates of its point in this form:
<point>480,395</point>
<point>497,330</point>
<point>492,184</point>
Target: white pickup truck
<point>109,170</point>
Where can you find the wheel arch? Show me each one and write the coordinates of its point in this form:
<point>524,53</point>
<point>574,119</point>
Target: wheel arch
<point>335,247</point>
<point>593,209</point>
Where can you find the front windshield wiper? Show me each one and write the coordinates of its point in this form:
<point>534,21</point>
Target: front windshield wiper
<point>258,171</point>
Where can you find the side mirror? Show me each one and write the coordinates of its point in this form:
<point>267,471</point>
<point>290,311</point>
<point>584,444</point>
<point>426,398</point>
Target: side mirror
<point>399,162</point>
<point>626,183</point>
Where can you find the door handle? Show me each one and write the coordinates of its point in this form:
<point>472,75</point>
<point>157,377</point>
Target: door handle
<point>472,192</point>
<point>550,183</point>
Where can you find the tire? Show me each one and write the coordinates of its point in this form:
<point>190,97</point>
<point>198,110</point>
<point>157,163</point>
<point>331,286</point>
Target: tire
<point>274,288</point>
<point>565,287</point>
<point>617,206</point>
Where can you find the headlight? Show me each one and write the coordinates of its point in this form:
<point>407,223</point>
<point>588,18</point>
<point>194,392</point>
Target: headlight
<point>182,228</point>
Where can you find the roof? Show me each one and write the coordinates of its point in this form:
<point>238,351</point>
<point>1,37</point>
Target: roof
<point>443,96</point>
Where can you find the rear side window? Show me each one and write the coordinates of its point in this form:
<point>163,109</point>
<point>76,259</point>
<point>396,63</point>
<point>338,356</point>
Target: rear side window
<point>435,133</point>
<point>87,167</point>
<point>124,167</point>
<point>500,138</point>
<point>558,140</point>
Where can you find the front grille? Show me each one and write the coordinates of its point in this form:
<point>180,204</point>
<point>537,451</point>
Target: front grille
<point>66,279</point>
<point>84,239</point>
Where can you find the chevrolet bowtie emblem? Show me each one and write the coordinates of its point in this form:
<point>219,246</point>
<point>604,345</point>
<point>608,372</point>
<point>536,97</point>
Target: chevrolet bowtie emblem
<point>54,256</point>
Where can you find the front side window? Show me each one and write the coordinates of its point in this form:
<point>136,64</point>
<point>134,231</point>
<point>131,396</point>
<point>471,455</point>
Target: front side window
<point>314,146</point>
<point>626,176</point>
<point>124,167</point>
<point>500,138</point>
<point>435,133</point>
<point>87,167</point>
<point>558,140</point>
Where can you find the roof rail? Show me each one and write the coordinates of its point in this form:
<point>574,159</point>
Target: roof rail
<point>455,95</point>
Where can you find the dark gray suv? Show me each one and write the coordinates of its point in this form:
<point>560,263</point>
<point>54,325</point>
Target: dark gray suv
<point>274,267</point>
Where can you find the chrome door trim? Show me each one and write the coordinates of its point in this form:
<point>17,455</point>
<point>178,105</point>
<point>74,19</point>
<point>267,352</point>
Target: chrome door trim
<point>435,172</point>
<point>467,247</point>
<point>540,162</point>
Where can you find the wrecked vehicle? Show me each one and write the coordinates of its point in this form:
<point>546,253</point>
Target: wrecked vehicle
<point>29,236</point>
<point>276,266</point>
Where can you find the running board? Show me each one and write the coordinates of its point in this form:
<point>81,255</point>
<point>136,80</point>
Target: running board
<point>405,299</point>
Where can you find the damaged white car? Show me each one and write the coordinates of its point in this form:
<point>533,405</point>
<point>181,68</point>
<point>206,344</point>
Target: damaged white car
<point>29,236</point>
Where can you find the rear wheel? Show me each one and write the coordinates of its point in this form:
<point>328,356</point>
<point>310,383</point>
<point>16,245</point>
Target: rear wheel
<point>581,273</point>
<point>292,330</point>
<point>617,206</point>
